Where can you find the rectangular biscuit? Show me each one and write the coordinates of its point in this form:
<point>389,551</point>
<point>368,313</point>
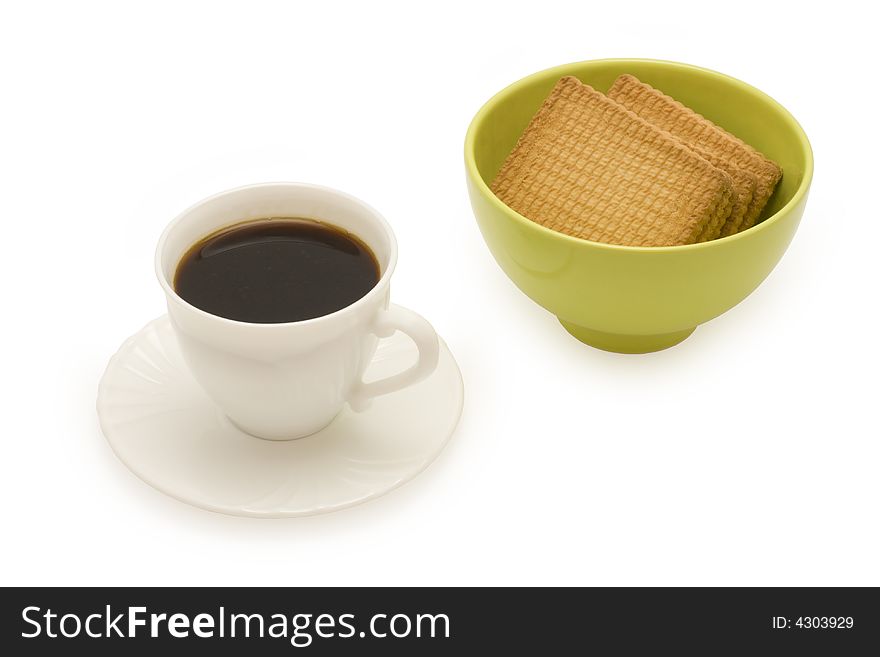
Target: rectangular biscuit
<point>588,167</point>
<point>699,132</point>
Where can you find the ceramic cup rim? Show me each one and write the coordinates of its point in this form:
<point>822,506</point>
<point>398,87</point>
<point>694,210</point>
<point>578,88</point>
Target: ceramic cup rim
<point>369,297</point>
<point>478,122</point>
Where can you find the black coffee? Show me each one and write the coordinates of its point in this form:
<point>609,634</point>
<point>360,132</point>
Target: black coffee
<point>276,270</point>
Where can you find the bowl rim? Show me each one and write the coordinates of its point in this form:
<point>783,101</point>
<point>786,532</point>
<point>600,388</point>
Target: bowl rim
<point>564,69</point>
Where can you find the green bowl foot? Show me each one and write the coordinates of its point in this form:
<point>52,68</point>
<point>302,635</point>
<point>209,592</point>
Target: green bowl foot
<point>626,344</point>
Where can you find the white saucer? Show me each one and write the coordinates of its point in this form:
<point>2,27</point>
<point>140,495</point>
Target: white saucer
<point>170,434</point>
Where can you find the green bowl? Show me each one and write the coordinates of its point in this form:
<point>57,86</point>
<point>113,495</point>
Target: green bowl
<point>638,299</point>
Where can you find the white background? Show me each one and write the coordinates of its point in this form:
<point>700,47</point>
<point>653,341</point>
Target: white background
<point>746,455</point>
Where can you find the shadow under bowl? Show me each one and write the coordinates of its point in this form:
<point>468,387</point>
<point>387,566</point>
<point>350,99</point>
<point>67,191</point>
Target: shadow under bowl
<point>638,299</point>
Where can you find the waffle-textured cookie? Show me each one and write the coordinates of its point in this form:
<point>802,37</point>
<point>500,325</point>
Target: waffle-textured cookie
<point>697,131</point>
<point>588,167</point>
<point>743,188</point>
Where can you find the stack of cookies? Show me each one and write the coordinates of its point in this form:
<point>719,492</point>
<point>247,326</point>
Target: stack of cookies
<point>633,167</point>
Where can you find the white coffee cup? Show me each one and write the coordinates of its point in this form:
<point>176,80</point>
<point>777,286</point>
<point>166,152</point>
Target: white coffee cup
<point>289,380</point>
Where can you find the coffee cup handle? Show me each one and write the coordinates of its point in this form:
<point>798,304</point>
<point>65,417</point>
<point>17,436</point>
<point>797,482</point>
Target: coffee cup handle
<point>396,318</point>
